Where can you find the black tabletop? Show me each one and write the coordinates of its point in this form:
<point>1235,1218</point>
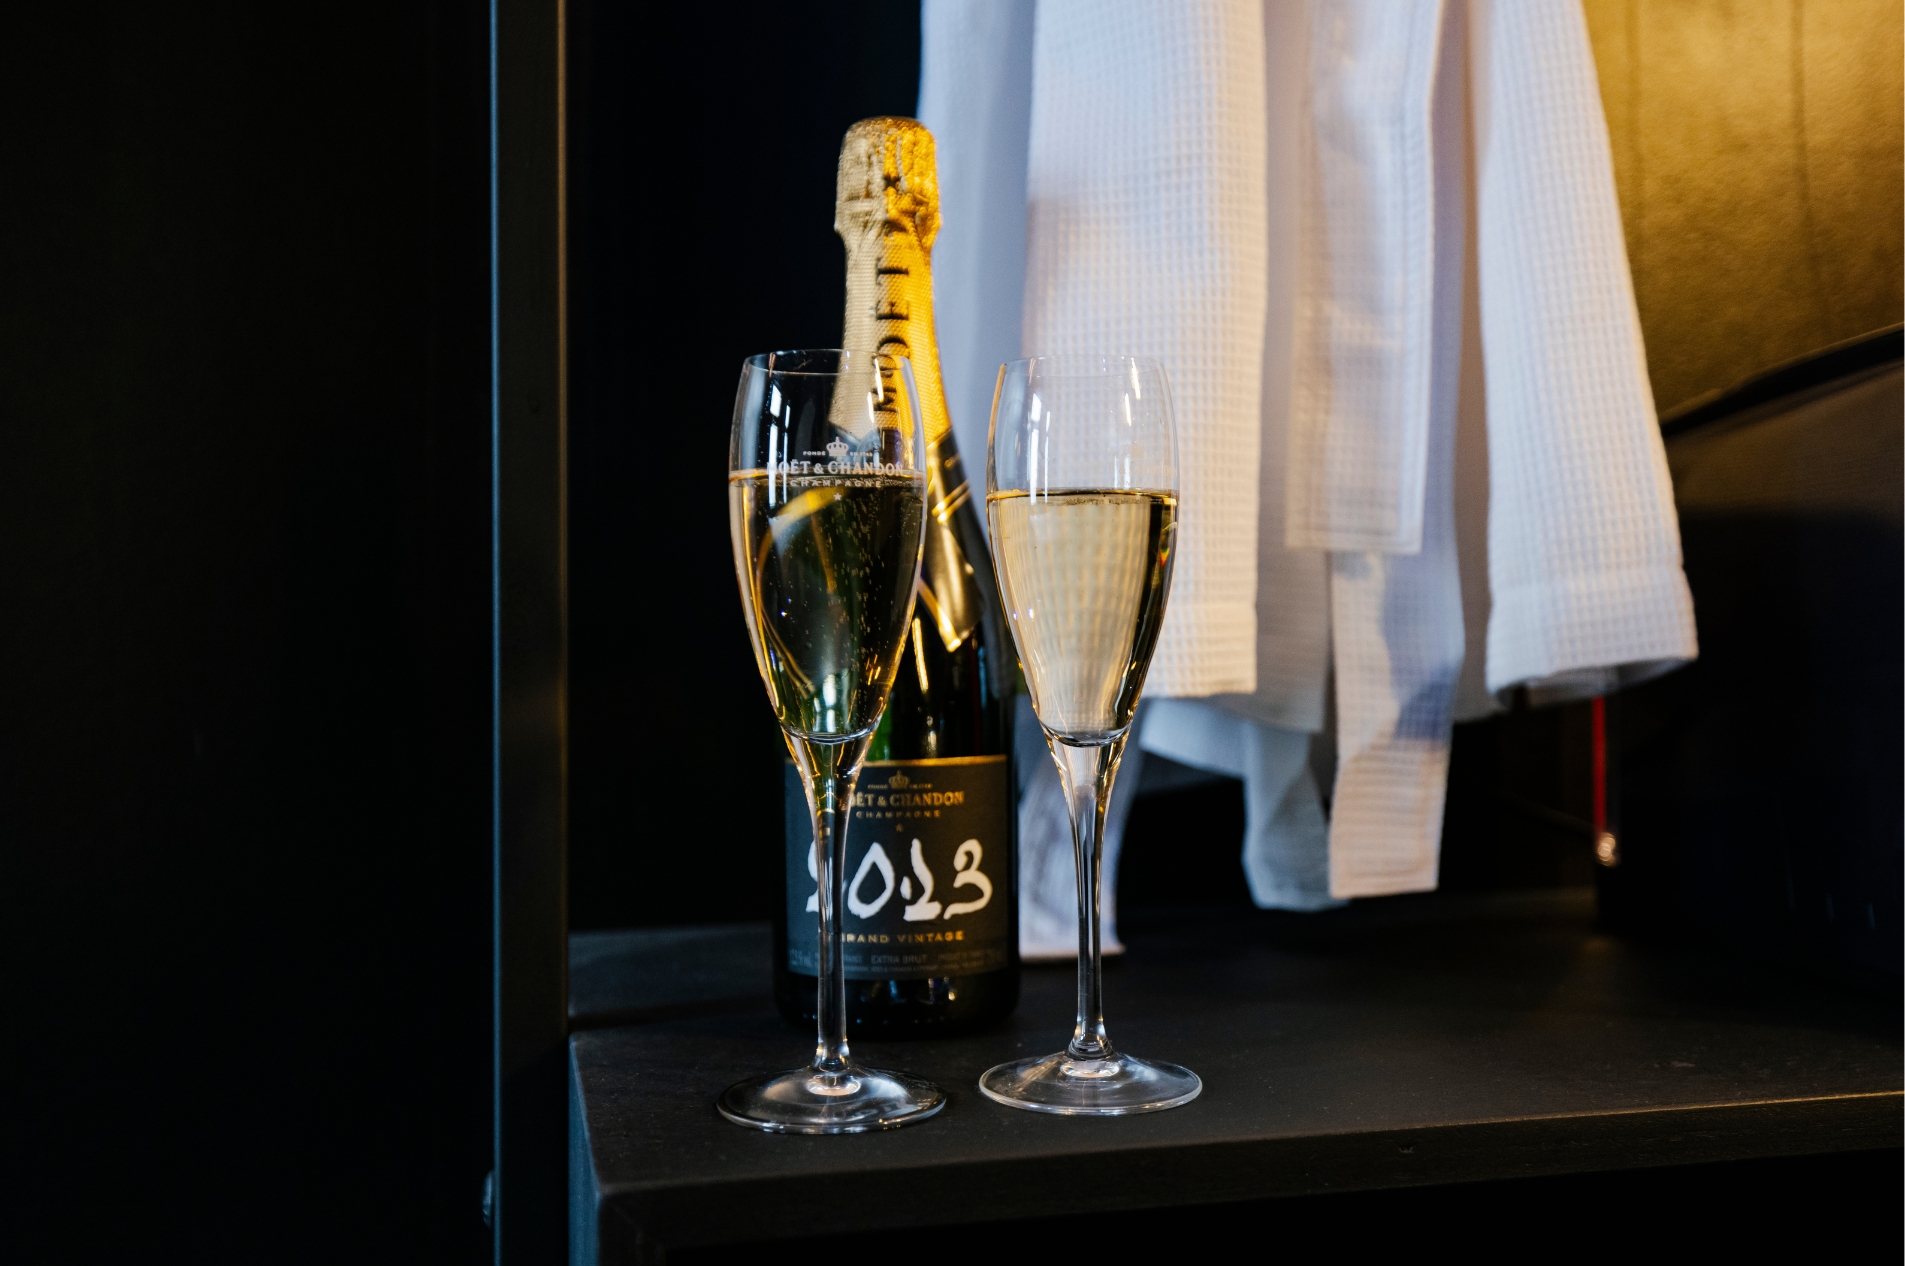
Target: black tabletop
<point>1398,1042</point>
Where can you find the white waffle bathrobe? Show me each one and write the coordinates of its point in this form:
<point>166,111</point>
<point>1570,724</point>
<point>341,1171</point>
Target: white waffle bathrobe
<point>1377,246</point>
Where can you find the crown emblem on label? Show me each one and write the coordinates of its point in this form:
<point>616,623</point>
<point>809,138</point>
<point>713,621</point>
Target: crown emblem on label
<point>899,780</point>
<point>836,449</point>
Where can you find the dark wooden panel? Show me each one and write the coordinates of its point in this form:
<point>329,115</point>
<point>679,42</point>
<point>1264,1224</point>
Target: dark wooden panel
<point>244,665</point>
<point>530,439</point>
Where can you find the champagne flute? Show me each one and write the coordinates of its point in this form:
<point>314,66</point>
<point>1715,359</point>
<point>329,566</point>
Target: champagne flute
<point>826,507</point>
<point>1081,495</point>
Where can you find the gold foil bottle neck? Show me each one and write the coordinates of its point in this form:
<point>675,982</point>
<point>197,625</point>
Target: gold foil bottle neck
<point>887,213</point>
<point>887,173</point>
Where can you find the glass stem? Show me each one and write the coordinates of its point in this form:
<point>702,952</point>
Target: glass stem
<point>830,771</point>
<point>1087,773</point>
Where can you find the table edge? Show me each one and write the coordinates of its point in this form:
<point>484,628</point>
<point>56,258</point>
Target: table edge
<point>1185,1174</point>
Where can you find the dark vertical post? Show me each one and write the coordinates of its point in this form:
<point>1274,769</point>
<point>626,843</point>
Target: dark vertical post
<point>529,408</point>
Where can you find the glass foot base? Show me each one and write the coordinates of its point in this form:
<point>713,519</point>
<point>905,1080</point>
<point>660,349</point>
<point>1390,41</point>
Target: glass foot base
<point>803,1101</point>
<point>1112,1087</point>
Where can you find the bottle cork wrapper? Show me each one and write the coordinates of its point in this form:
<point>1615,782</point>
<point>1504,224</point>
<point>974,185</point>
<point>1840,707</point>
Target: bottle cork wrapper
<point>886,210</point>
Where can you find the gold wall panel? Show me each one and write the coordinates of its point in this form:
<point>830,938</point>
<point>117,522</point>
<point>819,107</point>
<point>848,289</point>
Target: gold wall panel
<point>1757,147</point>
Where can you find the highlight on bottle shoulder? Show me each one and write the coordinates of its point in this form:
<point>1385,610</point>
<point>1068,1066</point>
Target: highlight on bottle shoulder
<point>1085,574</point>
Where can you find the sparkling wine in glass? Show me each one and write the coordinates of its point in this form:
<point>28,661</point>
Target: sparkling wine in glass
<point>826,505</point>
<point>1082,498</point>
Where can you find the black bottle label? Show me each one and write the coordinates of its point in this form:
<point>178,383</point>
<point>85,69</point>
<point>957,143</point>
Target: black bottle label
<point>929,882</point>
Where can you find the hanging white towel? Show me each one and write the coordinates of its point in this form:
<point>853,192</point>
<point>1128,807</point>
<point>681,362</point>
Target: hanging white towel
<point>1524,391</point>
<point>1263,737</point>
<point>1376,391</point>
<point>1146,236</point>
<point>975,93</point>
<point>1366,251</point>
<point>1585,580</point>
<point>1583,545</point>
<point>1293,629</point>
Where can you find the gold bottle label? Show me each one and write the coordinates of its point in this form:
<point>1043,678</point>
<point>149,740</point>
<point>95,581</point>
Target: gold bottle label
<point>886,210</point>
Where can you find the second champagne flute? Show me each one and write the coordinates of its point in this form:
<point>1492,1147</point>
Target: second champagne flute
<point>1081,495</point>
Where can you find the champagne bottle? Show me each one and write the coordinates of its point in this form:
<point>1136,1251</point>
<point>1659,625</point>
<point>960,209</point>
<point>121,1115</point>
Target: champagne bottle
<point>931,922</point>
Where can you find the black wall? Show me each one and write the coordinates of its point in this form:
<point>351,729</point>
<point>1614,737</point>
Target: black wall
<point>244,673</point>
<point>703,154</point>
